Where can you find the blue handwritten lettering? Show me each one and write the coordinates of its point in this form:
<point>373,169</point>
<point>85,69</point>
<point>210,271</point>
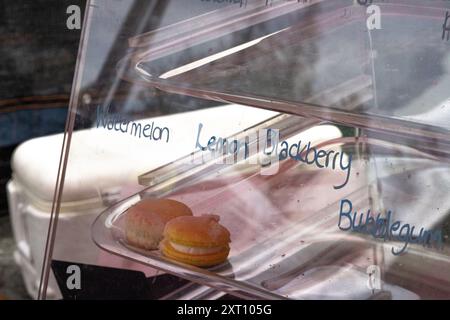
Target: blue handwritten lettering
<point>382,228</point>
<point>139,130</point>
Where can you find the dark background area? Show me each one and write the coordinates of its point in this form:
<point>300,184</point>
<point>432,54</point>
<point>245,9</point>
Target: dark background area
<point>37,62</point>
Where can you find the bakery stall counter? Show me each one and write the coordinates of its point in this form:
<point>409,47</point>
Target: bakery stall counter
<point>306,231</point>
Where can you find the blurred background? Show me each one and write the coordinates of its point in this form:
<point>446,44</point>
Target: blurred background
<point>37,62</point>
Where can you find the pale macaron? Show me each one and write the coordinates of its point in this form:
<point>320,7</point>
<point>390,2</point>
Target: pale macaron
<point>146,220</point>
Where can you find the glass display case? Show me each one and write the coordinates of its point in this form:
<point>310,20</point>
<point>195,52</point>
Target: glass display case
<point>315,132</point>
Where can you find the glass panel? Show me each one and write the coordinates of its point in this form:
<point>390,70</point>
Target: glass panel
<point>302,60</point>
<point>233,109</point>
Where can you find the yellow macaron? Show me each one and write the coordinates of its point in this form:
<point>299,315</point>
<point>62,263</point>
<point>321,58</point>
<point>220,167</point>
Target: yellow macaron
<point>199,241</point>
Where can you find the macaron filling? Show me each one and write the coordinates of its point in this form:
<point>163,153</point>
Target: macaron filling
<point>195,250</point>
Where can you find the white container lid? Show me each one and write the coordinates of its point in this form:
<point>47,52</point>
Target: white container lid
<point>102,159</point>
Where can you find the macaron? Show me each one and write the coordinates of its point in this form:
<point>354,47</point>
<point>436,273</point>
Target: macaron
<point>200,241</point>
<point>145,221</point>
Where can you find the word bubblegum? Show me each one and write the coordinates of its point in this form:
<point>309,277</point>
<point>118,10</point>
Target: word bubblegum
<point>384,228</point>
<point>269,157</point>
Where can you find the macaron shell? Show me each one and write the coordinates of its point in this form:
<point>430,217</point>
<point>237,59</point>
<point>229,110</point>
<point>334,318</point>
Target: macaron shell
<point>205,260</point>
<point>201,231</point>
<point>144,236</point>
<point>145,221</point>
<point>157,210</point>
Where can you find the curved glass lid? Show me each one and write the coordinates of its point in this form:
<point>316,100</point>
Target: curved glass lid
<point>305,58</point>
